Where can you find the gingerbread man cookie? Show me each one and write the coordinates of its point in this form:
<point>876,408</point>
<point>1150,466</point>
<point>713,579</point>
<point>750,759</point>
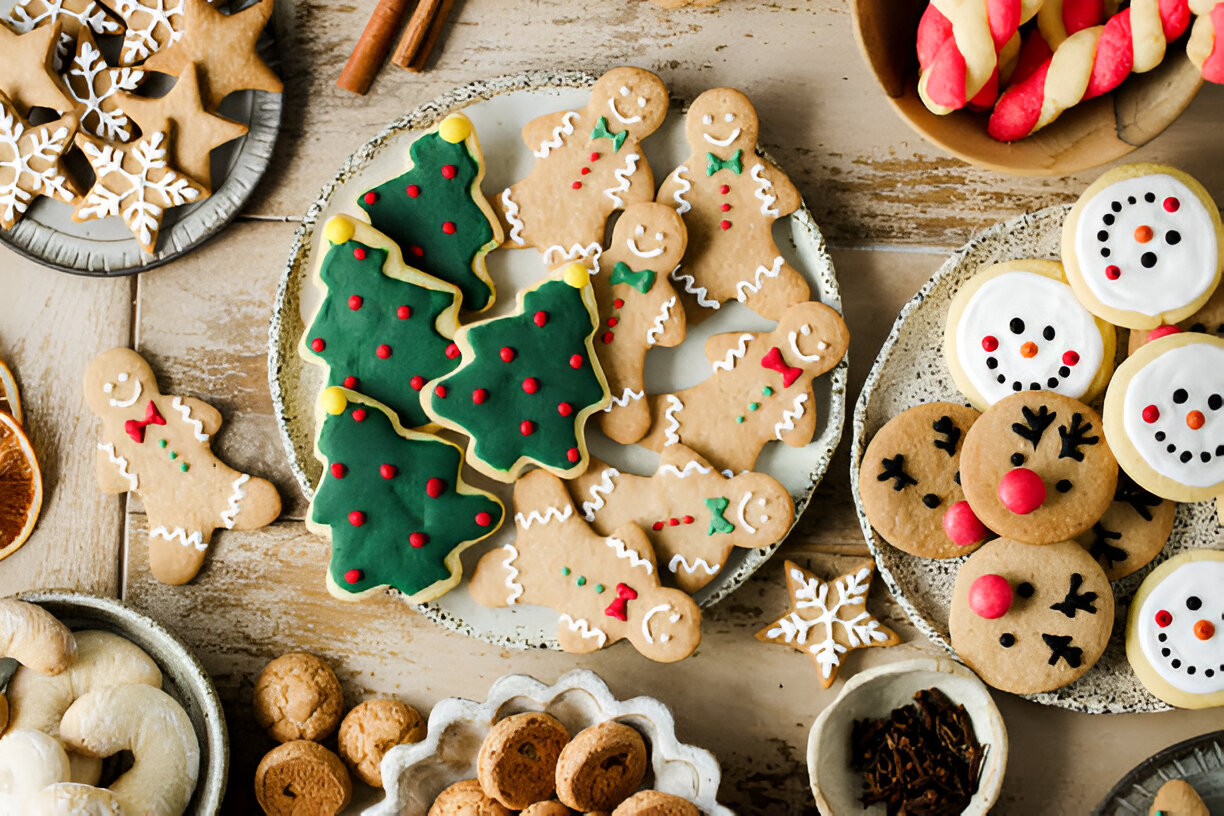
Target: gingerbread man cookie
<point>730,197</point>
<point>158,445</point>
<point>589,164</point>
<point>605,588</point>
<point>638,309</point>
<point>694,515</point>
<point>761,389</point>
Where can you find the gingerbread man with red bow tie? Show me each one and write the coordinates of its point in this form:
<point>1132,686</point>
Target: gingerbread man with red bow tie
<point>158,446</point>
<point>760,389</point>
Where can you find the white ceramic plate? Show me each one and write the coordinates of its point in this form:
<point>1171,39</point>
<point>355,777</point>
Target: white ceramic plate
<point>499,108</point>
<point>910,370</point>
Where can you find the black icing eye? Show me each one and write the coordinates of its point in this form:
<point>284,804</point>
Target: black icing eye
<point>1149,197</point>
<point>1194,603</point>
<point>956,478</point>
<point>1016,325</point>
<point>1017,459</point>
<point>1048,332</point>
<point>1007,640</point>
<point>1025,590</point>
<point>1180,396</point>
<point>1148,259</point>
<point>931,500</point>
<point>1215,401</point>
<point>1063,485</point>
<point>1197,327</point>
<point>1173,237</point>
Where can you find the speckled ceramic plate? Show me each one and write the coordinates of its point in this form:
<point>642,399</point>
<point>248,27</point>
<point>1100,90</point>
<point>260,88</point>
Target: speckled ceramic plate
<point>1198,760</point>
<point>499,108</point>
<point>910,370</point>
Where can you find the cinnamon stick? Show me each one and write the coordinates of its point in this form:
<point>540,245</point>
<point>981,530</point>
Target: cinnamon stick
<point>432,37</point>
<point>372,46</point>
<point>414,33</point>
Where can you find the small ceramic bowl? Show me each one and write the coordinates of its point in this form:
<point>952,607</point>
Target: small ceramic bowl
<point>183,678</point>
<point>1090,134</point>
<point>874,693</point>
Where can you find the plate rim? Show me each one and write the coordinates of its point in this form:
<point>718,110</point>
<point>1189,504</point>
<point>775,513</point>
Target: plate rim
<point>1170,753</point>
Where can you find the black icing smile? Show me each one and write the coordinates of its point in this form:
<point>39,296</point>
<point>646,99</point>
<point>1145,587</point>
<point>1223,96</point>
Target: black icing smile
<point>1177,664</point>
<point>1052,382</point>
<point>1185,456</point>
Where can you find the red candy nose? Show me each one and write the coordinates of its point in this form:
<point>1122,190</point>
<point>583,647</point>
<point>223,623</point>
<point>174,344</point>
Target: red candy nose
<point>990,596</point>
<point>962,526</point>
<point>1021,491</point>
<point>1162,331</point>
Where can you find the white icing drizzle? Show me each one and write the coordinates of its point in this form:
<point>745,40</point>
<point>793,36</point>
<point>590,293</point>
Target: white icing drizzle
<point>550,514</point>
<point>605,487</point>
<point>557,253</point>
<point>690,285</point>
<point>622,175</point>
<point>728,362</point>
<point>566,128</point>
<point>743,521</point>
<point>674,406</point>
<point>679,562</point>
<point>238,494</point>
<point>128,402</point>
<point>198,426</point>
<point>627,396</point>
<point>622,551</point>
<point>789,417</point>
<point>690,468</point>
<point>745,288</point>
<point>652,334</point>
<point>584,628</point>
<point>512,586</point>
<point>683,186</point>
<point>512,216</point>
<point>121,463</point>
<point>674,617</point>
<point>764,186</point>
<point>194,539</point>
<point>805,330</point>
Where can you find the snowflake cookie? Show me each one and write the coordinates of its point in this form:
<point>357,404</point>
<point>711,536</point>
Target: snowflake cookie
<point>828,618</point>
<point>30,162</point>
<point>27,70</point>
<point>74,16</point>
<point>151,26</point>
<point>95,84</point>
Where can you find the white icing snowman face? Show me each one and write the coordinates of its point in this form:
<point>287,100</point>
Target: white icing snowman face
<point>1181,627</point>
<point>1146,245</point>
<point>120,385</point>
<point>1173,413</point>
<point>1022,331</point>
<point>643,245</point>
<point>629,102</point>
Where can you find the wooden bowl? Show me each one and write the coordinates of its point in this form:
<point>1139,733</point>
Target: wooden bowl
<point>1090,134</point>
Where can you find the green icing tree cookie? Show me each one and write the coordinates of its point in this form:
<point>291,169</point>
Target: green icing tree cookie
<point>528,382</point>
<point>436,212</point>
<point>392,503</point>
<point>383,329</point>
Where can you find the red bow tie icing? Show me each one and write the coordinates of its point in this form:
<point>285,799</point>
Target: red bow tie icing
<point>619,607</point>
<point>774,360</point>
<point>135,428</point>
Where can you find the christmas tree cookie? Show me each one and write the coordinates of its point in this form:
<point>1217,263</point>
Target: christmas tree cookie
<point>383,329</point>
<point>392,502</point>
<point>436,212</point>
<point>528,381</point>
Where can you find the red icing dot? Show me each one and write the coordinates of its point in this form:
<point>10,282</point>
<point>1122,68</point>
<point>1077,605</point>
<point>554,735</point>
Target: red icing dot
<point>435,487</point>
<point>618,303</point>
<point>507,354</point>
<point>1151,414</point>
<point>370,197</point>
<point>1171,204</point>
<point>724,189</point>
<point>674,522</point>
<point>317,344</point>
<point>576,185</point>
<point>527,427</point>
<point>418,540</point>
<point>531,385</point>
<point>388,471</point>
<point>449,171</point>
<point>607,338</point>
<point>1162,331</point>
<point>1112,272</point>
<point>1021,491</point>
<point>573,454</point>
<point>353,576</point>
<point>403,312</point>
<point>576,361</point>
<point>350,382</point>
<point>416,250</point>
<point>565,409</point>
<point>417,382</point>
<point>725,207</point>
<point>452,351</point>
<point>658,525</point>
<point>594,157</point>
<point>359,415</point>
<point>357,518</point>
<point>540,318</point>
<point>355,302</point>
<point>1070,358</point>
<point>412,190</point>
<point>440,392</point>
<point>612,321</point>
<point>338,470</point>
<point>359,253</point>
<point>990,342</point>
<point>1163,618</point>
<point>383,351</point>
<point>962,526</point>
<point>990,596</point>
<point>479,396</point>
<point>448,227</point>
<point>484,519</point>
<point>585,170</point>
<point>724,225</point>
<point>687,519</point>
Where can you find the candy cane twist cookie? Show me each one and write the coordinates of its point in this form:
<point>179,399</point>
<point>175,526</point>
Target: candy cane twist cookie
<point>1204,48</point>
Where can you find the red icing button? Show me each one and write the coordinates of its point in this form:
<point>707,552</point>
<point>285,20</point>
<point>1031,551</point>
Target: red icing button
<point>448,227</point>
<point>1162,331</point>
<point>388,471</point>
<point>724,189</point>
<point>338,470</point>
<point>673,522</point>
<point>417,382</point>
<point>353,576</point>
<point>962,526</point>
<point>440,391</point>
<point>452,351</point>
<point>412,190</point>
<point>540,318</point>
<point>483,519</point>
<point>317,344</point>
<point>403,312</point>
<point>576,361</point>
<point>359,253</point>
<point>357,518</point>
<point>416,250</point>
<point>531,385</point>
<point>1171,204</point>
<point>1204,629</point>
<point>359,415</point>
<point>573,454</point>
<point>1151,414</point>
<point>565,409</point>
<point>576,185</point>
<point>618,303</point>
<point>594,157</point>
<point>449,171</point>
<point>1021,491</point>
<point>435,487</point>
<point>383,351</point>
<point>612,321</point>
<point>507,354</point>
<point>585,170</point>
<point>350,382</point>
<point>527,427</point>
<point>725,207</point>
<point>355,302</point>
<point>657,526</point>
<point>370,197</point>
<point>1070,358</point>
<point>687,519</point>
<point>990,343</point>
<point>1163,618</point>
<point>479,396</point>
<point>724,225</point>
<point>606,338</point>
<point>1112,272</point>
<point>418,540</point>
<point>990,596</point>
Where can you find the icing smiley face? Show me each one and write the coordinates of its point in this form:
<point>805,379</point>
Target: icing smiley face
<point>722,120</point>
<point>116,384</point>
<point>1142,246</point>
<point>1175,630</point>
<point>631,98</point>
<point>1018,327</point>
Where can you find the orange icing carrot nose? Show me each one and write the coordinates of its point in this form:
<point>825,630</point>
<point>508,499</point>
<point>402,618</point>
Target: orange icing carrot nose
<point>1143,234</point>
<point>1195,420</point>
<point>1204,630</point>
<point>1029,349</point>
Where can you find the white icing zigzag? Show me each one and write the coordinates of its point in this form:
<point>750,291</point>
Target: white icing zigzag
<point>589,508</point>
<point>627,396</point>
<point>566,128</point>
<point>550,514</point>
<point>512,216</point>
<point>652,334</point>
<point>763,192</point>
<point>121,463</point>
<point>689,469</point>
<point>690,285</point>
<point>583,628</point>
<point>228,516</point>
<point>728,362</point>
<point>514,587</point>
<point>622,175</point>
<point>789,417</point>
<point>679,562</point>
<point>674,406</point>
<point>745,288</point>
<point>683,185</point>
<point>622,551</point>
<point>196,424</point>
<point>195,539</point>
<point>557,253</point>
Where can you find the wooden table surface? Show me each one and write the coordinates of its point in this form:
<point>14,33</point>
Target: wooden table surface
<point>892,208</point>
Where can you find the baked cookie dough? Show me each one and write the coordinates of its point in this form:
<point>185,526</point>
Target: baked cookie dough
<point>297,697</point>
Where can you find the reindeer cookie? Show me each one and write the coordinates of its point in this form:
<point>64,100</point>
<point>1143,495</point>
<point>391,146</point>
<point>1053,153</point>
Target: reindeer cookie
<point>606,588</point>
<point>1132,532</point>
<point>730,197</point>
<point>589,164</point>
<point>157,445</point>
<point>638,309</point>
<point>694,515</point>
<point>761,389</point>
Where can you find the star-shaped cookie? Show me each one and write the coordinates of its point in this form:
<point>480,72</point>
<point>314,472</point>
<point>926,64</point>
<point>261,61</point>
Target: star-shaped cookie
<point>151,26</point>
<point>223,48</point>
<point>95,85</point>
<point>72,15</point>
<point>30,162</point>
<point>196,131</point>
<point>27,73</point>
<point>828,618</point>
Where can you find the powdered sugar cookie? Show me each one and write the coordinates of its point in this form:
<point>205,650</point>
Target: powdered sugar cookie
<point>1017,326</point>
<point>1132,532</point>
<point>1143,246</point>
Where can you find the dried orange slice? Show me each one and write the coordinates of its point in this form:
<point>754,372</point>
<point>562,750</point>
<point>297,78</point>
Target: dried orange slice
<point>10,398</point>
<point>20,486</point>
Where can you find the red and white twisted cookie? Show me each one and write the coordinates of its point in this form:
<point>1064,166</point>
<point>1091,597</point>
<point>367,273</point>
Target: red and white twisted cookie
<point>1059,19</point>
<point>1088,63</point>
<point>961,46</point>
<point>1206,47</point>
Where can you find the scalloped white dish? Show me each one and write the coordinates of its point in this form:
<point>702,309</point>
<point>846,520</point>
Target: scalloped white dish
<point>415,774</point>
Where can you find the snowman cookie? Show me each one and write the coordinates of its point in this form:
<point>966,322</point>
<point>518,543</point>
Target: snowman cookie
<point>1017,326</point>
<point>1132,532</point>
<point>1036,467</point>
<point>1143,246</point>
<point>1028,620</point>
<point>1175,630</point>
<point>1209,319</point>
<point>909,482</point>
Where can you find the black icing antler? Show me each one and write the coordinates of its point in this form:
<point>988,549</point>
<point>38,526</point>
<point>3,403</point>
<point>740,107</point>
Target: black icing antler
<point>1035,423</point>
<point>1075,437</point>
<point>1103,550</point>
<point>1060,647</point>
<point>895,469</point>
<point>1139,499</point>
<point>1076,601</point>
<point>946,428</point>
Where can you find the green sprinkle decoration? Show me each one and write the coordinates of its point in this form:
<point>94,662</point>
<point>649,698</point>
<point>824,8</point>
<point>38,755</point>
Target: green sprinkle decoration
<point>739,420</point>
<point>599,588</point>
<point>161,443</point>
<point>767,391</point>
<point>565,570</point>
<point>183,467</point>
<point>752,406</point>
<point>173,454</point>
<point>581,581</point>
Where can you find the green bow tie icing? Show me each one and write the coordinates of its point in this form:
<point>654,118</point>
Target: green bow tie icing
<point>735,164</point>
<point>641,281</point>
<point>718,524</point>
<point>601,132</point>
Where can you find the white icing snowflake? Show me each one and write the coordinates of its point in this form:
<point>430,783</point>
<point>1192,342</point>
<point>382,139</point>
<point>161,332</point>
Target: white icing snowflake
<point>20,180</point>
<point>151,26</point>
<point>94,84</point>
<point>28,15</point>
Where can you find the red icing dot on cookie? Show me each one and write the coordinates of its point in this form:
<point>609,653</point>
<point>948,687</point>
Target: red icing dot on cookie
<point>585,170</point>
<point>479,396</point>
<point>1162,331</point>
<point>962,526</point>
<point>484,519</point>
<point>540,318</point>
<point>1151,413</point>
<point>359,254</point>
<point>1021,491</point>
<point>435,487</point>
<point>359,415</point>
<point>507,354</point>
<point>607,338</point>
<point>1171,204</point>
<point>673,522</point>
<point>573,454</point>
<point>990,596</point>
<point>418,540</point>
<point>687,519</point>
<point>576,361</point>
<point>612,321</point>
<point>594,157</point>
<point>990,343</point>
<point>440,392</point>
<point>618,303</point>
<point>383,351</point>
<point>1070,358</point>
<point>412,190</point>
<point>417,382</point>
<point>658,525</point>
<point>353,576</point>
<point>725,207</point>
<point>355,302</point>
<point>317,344</point>
<point>724,225</point>
<point>576,185</point>
<point>350,382</point>
<point>449,171</point>
<point>1112,272</point>
<point>724,189</point>
<point>338,470</point>
<point>388,471</point>
<point>357,518</point>
<point>370,197</point>
<point>403,312</point>
<point>531,385</point>
<point>565,409</point>
<point>416,250</point>
<point>527,427</point>
<point>452,351</point>
<point>1163,618</point>
<point>448,227</point>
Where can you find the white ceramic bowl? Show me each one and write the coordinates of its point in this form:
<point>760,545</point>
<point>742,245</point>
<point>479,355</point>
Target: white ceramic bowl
<point>874,693</point>
<point>415,774</point>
